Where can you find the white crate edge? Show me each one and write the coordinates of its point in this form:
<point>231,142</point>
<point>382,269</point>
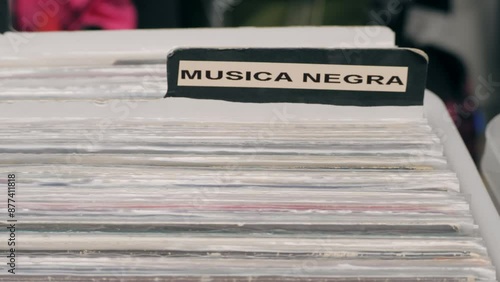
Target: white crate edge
<point>490,161</point>
<point>471,184</point>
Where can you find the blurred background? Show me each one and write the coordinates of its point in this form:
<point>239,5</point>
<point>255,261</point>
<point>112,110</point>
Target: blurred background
<point>459,36</point>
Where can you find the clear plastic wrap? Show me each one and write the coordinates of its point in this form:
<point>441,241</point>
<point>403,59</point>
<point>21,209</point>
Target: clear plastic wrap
<point>170,200</point>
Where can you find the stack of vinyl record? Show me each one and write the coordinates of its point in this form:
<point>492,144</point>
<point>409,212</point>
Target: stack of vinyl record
<point>141,81</point>
<point>162,200</point>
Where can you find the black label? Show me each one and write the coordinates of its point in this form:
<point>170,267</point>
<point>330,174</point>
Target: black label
<point>358,77</point>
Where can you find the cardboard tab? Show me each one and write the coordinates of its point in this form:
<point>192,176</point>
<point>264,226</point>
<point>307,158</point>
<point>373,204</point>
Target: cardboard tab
<point>356,77</point>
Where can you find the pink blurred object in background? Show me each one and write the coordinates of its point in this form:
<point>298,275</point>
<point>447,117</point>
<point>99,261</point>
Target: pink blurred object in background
<point>51,15</point>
